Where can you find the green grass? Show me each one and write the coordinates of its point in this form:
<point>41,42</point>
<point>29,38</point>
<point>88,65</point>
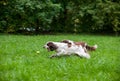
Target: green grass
<point>20,62</point>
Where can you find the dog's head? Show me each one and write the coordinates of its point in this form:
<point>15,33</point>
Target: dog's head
<point>50,46</point>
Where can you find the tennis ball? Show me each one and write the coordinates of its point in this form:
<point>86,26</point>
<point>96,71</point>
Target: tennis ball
<point>37,52</point>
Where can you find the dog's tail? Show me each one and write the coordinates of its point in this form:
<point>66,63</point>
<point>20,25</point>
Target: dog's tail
<point>91,48</point>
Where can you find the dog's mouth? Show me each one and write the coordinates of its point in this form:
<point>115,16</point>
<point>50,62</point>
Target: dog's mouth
<point>48,49</point>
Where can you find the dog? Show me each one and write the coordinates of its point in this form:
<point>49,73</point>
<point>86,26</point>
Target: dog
<point>67,48</point>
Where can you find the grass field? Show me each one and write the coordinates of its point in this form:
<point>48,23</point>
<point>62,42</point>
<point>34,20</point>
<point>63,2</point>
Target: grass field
<point>20,62</point>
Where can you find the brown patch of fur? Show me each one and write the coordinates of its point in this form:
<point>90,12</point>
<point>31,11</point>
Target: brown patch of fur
<point>66,41</point>
<point>83,44</point>
<point>90,48</point>
<point>87,47</point>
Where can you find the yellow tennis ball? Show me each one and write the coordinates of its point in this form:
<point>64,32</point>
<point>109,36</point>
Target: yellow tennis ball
<point>37,51</point>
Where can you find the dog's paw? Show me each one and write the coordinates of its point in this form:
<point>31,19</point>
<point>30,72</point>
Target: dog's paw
<point>52,56</point>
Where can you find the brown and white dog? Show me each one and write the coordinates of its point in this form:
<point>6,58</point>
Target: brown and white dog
<point>68,47</point>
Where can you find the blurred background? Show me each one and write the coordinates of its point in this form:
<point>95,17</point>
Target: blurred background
<point>60,16</point>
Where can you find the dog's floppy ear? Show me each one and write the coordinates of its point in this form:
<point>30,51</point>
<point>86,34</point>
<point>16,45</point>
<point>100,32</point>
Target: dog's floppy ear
<point>51,46</point>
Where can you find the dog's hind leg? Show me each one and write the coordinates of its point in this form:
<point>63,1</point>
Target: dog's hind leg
<point>84,55</point>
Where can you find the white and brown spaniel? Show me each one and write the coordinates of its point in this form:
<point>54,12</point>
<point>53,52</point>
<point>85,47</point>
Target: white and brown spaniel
<point>68,47</point>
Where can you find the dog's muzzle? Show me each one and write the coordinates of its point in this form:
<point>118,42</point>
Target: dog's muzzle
<point>46,47</point>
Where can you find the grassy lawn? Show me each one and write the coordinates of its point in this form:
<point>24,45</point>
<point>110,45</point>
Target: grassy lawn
<point>20,62</point>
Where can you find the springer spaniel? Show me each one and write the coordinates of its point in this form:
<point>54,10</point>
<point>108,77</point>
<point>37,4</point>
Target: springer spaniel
<point>67,48</point>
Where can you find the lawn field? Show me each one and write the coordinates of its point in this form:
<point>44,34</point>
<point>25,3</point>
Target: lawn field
<point>19,60</point>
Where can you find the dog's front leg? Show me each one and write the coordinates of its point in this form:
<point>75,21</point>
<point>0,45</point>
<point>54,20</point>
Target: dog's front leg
<point>55,55</point>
